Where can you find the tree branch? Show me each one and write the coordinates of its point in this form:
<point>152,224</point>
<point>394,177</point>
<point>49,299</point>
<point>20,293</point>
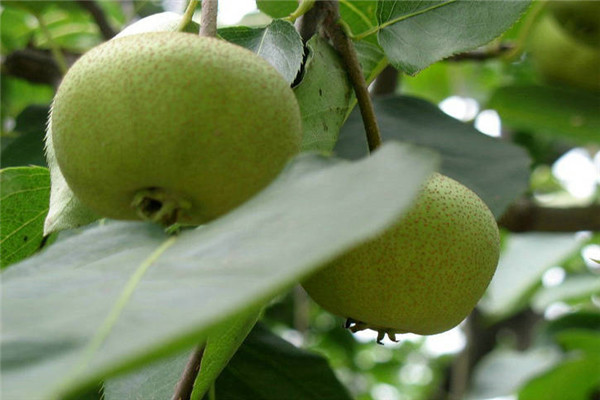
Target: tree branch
<point>482,55</point>
<point>208,25</point>
<point>524,216</point>
<point>34,65</point>
<point>344,46</point>
<point>386,82</point>
<point>99,17</point>
<point>185,386</point>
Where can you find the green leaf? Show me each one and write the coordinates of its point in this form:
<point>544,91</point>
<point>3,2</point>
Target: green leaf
<point>464,150</point>
<point>360,16</point>
<point>324,96</point>
<point>371,58</point>
<point>121,295</point>
<point>502,372</point>
<point>24,196</point>
<point>267,367</point>
<point>277,8</point>
<point>28,147</point>
<point>415,34</point>
<point>553,111</point>
<point>580,339</point>
<point>519,274</point>
<point>574,288</point>
<point>575,379</point>
<point>221,345</point>
<point>278,43</point>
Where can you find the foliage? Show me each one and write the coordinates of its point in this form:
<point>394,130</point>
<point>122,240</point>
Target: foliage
<point>98,308</point>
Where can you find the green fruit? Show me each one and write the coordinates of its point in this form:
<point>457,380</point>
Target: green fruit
<point>581,19</point>
<point>172,127</point>
<point>560,58</point>
<point>424,274</point>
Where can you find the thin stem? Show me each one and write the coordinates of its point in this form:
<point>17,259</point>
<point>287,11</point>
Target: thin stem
<point>187,15</point>
<point>99,17</point>
<point>208,26</point>
<point>377,28</point>
<point>344,46</point>
<point>56,52</point>
<point>185,385</point>
<point>303,8</point>
<point>525,30</point>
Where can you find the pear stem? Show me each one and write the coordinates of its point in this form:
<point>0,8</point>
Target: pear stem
<point>345,47</point>
<point>303,8</point>
<point>187,15</point>
<point>208,25</point>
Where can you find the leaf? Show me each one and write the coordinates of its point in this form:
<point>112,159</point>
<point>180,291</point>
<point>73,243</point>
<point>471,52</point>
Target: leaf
<point>574,288</point>
<point>502,372</point>
<point>279,43</point>
<point>221,345</point>
<point>575,379</point>
<point>463,149</point>
<point>277,8</point>
<point>28,147</point>
<point>518,273</point>
<point>267,367</point>
<point>553,111</point>
<point>324,97</point>
<point>416,34</point>
<point>24,195</point>
<point>371,58</point>
<point>66,210</point>
<point>580,339</point>
<point>157,381</point>
<point>122,295</point>
<point>360,16</point>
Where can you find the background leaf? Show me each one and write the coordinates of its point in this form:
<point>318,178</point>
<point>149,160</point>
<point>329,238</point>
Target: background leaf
<point>324,96</point>
<point>267,367</point>
<point>24,197</point>
<point>118,296</point>
<point>463,149</point>
<point>28,147</point>
<point>278,43</point>
<point>277,8</point>
<point>562,112</point>
<point>429,31</point>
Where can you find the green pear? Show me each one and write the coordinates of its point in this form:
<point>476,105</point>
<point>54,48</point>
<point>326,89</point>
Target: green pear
<point>424,274</point>
<point>172,127</point>
<point>562,59</point>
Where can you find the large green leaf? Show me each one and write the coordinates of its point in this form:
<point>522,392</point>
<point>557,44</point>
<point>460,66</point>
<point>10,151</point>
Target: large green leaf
<point>324,96</point>
<point>415,34</point>
<point>267,367</point>
<point>575,379</point>
<point>124,294</point>
<point>558,112</point>
<point>502,372</point>
<point>277,8</point>
<point>24,197</point>
<point>463,149</point>
<point>278,43</point>
<point>524,259</point>
<point>360,16</point>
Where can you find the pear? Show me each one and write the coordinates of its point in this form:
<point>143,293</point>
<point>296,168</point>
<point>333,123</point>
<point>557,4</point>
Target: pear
<point>424,274</point>
<point>172,127</point>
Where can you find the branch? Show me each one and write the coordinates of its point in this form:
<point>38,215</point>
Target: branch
<point>99,17</point>
<point>386,82</point>
<point>208,26</point>
<point>524,216</point>
<point>482,55</point>
<point>185,386</point>
<point>345,47</point>
<point>34,65</point>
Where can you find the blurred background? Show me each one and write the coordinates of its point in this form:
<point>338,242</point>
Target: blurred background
<point>536,333</point>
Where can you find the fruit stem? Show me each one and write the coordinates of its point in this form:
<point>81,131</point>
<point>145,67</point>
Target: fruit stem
<point>303,8</point>
<point>208,25</point>
<point>187,15</point>
<point>345,47</point>
<point>160,207</point>
<point>54,48</point>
